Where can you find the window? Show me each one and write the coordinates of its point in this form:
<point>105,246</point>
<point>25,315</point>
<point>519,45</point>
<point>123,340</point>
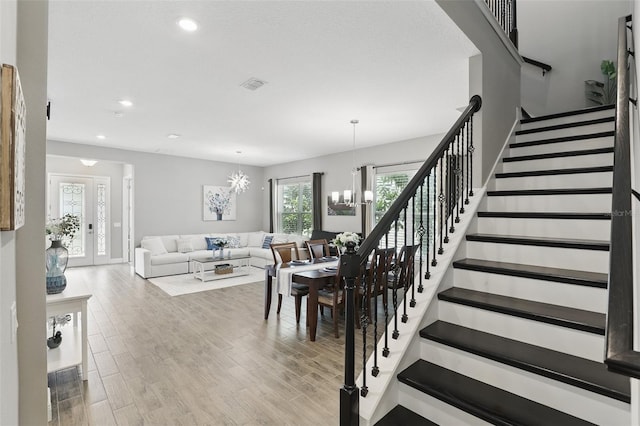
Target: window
<point>294,209</point>
<point>389,183</point>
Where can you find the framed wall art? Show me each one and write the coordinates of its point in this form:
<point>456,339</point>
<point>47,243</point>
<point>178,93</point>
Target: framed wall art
<point>218,202</point>
<point>12,150</point>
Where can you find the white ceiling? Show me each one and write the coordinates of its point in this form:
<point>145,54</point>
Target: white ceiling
<point>400,67</point>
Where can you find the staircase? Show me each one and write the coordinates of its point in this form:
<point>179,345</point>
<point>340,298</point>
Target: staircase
<point>519,335</point>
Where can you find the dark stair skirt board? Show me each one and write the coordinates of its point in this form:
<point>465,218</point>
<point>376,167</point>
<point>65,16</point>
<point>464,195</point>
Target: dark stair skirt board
<point>401,416</point>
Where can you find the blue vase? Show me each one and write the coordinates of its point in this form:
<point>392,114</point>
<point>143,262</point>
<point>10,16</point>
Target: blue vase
<point>56,257</point>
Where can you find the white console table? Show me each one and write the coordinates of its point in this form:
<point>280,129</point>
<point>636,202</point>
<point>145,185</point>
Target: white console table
<point>73,349</point>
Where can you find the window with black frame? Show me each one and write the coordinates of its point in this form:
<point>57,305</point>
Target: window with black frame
<point>295,206</point>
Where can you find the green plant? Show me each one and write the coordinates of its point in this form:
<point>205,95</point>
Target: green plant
<point>64,228</point>
<point>603,93</point>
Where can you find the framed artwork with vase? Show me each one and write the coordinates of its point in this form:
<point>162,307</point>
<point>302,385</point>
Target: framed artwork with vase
<point>12,150</point>
<point>218,203</point>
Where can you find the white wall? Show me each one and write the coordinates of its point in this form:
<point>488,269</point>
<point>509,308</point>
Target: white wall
<point>168,190</point>
<point>113,170</point>
<point>8,347</point>
<point>575,37</point>
<point>337,174</point>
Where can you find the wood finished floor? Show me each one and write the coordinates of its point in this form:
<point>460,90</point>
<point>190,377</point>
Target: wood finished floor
<point>207,358</point>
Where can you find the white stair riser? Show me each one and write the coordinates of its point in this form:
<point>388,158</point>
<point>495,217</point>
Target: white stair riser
<point>552,257</point>
<point>572,400</point>
<point>574,342</point>
<point>577,180</point>
<point>604,142</point>
<point>570,295</point>
<point>572,203</point>
<point>558,228</point>
<point>572,162</point>
<point>435,410</point>
<point>571,131</point>
<point>570,119</point>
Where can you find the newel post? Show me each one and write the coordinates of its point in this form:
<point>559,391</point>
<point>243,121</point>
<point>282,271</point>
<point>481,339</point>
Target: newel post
<point>349,395</point>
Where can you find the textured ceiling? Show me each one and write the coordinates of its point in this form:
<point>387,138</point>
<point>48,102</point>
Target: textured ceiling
<point>399,67</point>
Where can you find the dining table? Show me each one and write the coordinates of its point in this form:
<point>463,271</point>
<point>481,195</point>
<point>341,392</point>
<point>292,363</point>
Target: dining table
<point>316,274</point>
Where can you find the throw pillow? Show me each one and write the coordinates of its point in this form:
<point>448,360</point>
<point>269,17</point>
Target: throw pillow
<point>234,241</point>
<point>154,245</point>
<point>211,243</point>
<point>267,241</point>
<point>280,238</point>
<point>255,239</point>
<point>184,245</point>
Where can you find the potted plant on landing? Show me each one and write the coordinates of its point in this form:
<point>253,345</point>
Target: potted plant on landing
<point>603,93</point>
<point>56,336</point>
<point>61,232</point>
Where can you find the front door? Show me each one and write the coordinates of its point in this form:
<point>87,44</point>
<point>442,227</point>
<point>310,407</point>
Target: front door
<point>88,198</point>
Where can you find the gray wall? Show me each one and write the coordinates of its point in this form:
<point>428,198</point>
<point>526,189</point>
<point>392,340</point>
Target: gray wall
<point>575,38</point>
<point>168,190</point>
<point>500,85</point>
<point>112,170</point>
<point>337,174</point>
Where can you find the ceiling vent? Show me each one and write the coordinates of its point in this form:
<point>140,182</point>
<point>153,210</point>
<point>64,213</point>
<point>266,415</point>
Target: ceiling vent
<point>253,83</point>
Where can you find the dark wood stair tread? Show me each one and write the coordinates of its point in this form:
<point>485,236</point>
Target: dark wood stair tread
<point>553,172</point>
<point>547,215</point>
<point>569,125</point>
<point>577,319</point>
<point>567,276</point>
<point>557,191</point>
<point>401,416</point>
<point>563,139</point>
<point>583,373</point>
<point>480,399</point>
<point>580,111</point>
<point>560,154</point>
<point>540,241</point>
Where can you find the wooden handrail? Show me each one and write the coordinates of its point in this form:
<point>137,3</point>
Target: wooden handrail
<point>619,353</point>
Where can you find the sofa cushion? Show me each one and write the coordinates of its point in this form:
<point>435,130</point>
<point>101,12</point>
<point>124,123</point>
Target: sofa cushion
<point>212,243</point>
<point>154,245</point>
<point>197,241</point>
<point>184,245</point>
<point>280,238</point>
<point>164,259</point>
<point>244,239</point>
<point>255,239</point>
<point>266,243</point>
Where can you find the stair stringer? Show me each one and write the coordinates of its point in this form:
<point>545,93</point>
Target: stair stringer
<point>383,390</point>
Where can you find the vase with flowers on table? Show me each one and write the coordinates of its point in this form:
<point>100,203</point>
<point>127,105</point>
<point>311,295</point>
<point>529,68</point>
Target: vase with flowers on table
<point>341,240</point>
<point>61,232</point>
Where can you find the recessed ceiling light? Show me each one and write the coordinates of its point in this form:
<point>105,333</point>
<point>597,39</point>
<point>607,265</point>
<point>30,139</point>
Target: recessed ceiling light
<point>173,136</point>
<point>101,136</point>
<point>125,102</point>
<point>188,24</point>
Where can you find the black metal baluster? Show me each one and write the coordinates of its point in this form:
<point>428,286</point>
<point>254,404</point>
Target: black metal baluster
<point>448,196</point>
<point>413,242</point>
<point>441,200</point>
<point>385,304</point>
<point>396,333</point>
<point>376,292</point>
<point>464,171</point>
<point>405,317</point>
<point>422,231</point>
<point>456,174</point>
<point>471,149</point>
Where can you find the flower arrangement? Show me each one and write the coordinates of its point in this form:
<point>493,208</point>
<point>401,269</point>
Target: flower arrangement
<point>63,228</point>
<point>218,202</point>
<point>221,242</point>
<point>343,238</point>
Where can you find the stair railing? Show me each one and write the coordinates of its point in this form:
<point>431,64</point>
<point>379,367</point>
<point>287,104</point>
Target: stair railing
<point>505,13</point>
<point>620,355</point>
<point>414,230</point>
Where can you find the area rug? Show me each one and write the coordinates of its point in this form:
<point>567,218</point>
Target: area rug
<point>177,285</point>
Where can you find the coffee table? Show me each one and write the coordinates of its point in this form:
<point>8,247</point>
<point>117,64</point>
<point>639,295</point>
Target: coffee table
<point>204,267</point>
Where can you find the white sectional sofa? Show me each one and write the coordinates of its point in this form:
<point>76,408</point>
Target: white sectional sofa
<point>171,254</point>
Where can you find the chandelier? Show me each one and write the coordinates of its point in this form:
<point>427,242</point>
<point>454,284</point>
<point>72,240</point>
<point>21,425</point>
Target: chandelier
<point>350,194</point>
<point>238,180</point>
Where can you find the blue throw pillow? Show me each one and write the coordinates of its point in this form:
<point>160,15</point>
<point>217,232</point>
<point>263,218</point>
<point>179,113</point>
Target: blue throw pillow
<point>211,243</point>
<point>267,241</point>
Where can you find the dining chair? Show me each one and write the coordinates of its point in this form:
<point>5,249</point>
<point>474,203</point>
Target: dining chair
<point>376,277</point>
<point>318,248</point>
<point>403,272</point>
<point>283,253</point>
<point>332,296</point>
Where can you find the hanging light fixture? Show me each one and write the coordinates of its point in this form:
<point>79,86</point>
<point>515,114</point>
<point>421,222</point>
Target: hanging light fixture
<point>349,194</point>
<point>238,180</point>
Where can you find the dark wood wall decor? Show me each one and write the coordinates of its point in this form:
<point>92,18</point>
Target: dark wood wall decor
<point>12,150</point>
